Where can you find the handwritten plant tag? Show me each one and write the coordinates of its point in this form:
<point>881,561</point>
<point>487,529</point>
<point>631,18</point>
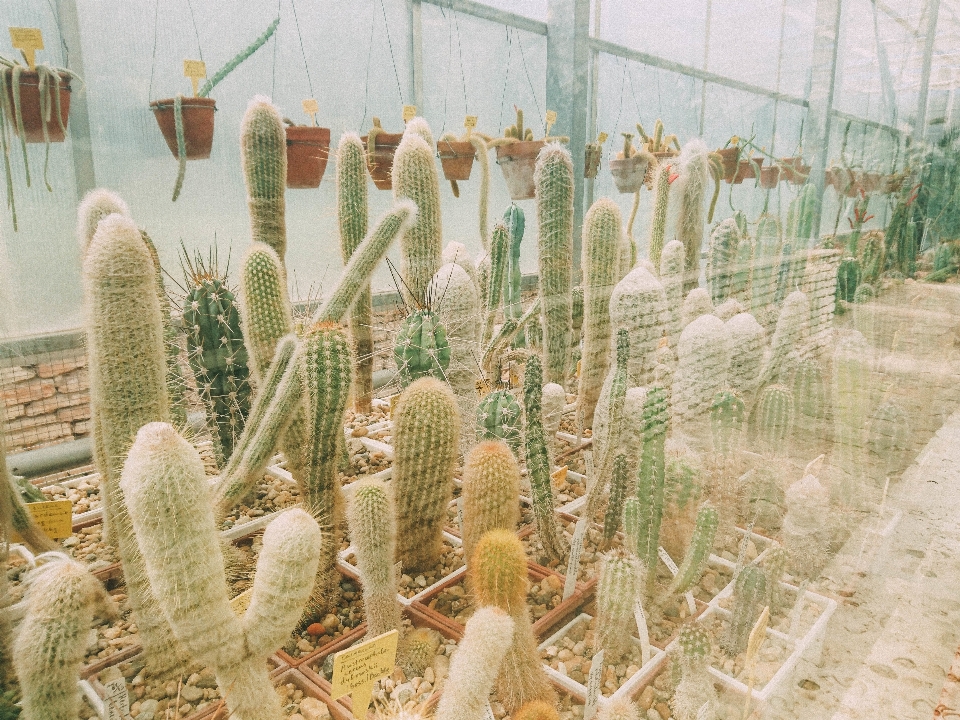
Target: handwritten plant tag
<point>644,632</point>
<point>573,563</point>
<point>311,108</point>
<point>196,70</point>
<point>551,119</point>
<point>470,122</point>
<point>559,475</point>
<point>488,711</point>
<point>27,41</point>
<point>356,670</point>
<point>54,517</point>
<point>460,514</point>
<point>116,700</point>
<point>593,686</point>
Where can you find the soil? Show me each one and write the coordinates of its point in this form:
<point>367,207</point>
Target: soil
<point>457,603</point>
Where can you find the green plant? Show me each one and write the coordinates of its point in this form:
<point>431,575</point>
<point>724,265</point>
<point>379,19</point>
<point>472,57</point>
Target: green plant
<point>421,348</point>
<point>12,508</point>
<point>695,688</point>
<point>538,462</point>
<point>608,444</point>
<point>263,156</point>
<point>696,303</point>
<point>417,650</point>
<point>698,551</point>
<point>265,308</point>
<point>553,177</point>
<point>765,267</point>
<point>749,593</point>
<point>774,417</point>
<point>517,131</point>
<point>809,390</point>
<point>373,531</point>
<point>650,480</point>
<point>775,565</point>
<point>691,187</point>
<point>425,437</point>
<point>658,225</point>
<point>515,221</point>
<point>671,275</point>
<point>491,492</point>
<point>498,418</point>
<point>873,257</point>
<point>727,414</point>
<point>167,494</point>
<point>619,585</point>
<point>788,337</point>
<point>352,222</point>
<point>602,231</point>
<point>721,259</point>
<point>498,576</point>
<point>848,277</point>
<point>801,215</point>
<point>638,305</point>
<point>619,479</point>
<point>494,292</point>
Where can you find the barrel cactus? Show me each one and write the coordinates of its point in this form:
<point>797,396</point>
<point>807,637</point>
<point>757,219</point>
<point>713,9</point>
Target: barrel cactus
<point>498,418</point>
<point>421,349</point>
<point>774,417</point>
<point>727,414</point>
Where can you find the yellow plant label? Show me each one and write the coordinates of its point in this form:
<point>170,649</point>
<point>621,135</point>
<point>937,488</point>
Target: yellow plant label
<point>55,517</point>
<point>310,107</point>
<point>357,669</point>
<point>551,117</point>
<point>27,41</point>
<point>602,138</point>
<point>409,112</point>
<point>241,602</point>
<point>470,121</point>
<point>393,402</point>
<point>195,70</point>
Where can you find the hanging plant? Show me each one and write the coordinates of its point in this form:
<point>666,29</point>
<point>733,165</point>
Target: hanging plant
<point>187,122</point>
<point>517,156</point>
<point>629,167</point>
<point>381,147</point>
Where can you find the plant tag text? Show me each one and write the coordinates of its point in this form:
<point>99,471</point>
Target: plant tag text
<point>593,686</point>
<point>559,475</point>
<point>409,112</point>
<point>641,619</point>
<point>573,564</point>
<point>196,70</point>
<point>460,514</point>
<point>27,41</point>
<point>488,711</point>
<point>357,669</point>
<point>54,517</point>
<point>116,701</point>
<point>551,119</point>
<point>470,122</point>
<point>311,108</point>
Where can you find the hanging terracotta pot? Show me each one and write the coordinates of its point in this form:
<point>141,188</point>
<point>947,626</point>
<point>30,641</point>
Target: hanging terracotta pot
<point>197,125</point>
<point>790,168</point>
<point>516,162</point>
<point>456,157</point>
<point>380,161</point>
<point>769,177</point>
<point>308,148</point>
<point>33,123</point>
<point>747,169</point>
<point>871,182</point>
<point>729,158</point>
<point>629,173</point>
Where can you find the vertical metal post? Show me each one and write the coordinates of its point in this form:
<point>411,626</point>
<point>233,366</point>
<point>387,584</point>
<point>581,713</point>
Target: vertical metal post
<point>568,30</point>
<point>706,59</point>
<point>933,12</point>
<point>592,129</point>
<point>79,127</point>
<point>416,54</point>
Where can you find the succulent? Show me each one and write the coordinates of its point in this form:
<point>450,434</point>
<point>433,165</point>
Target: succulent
<point>774,417</point>
<point>789,336</point>
<point>553,402</point>
<point>748,340</point>
<point>619,586</point>
<point>872,257</point>
<point>704,357</point>
<point>618,709</point>
<point>727,414</point>
<point>493,293</point>
<point>698,551</point>
<point>749,594</point>
<point>417,651</point>
<point>517,130</point>
<point>721,259</point>
<point>499,418</point>
<point>691,186</point>
<point>607,445</point>
<point>491,492</point>
<point>694,642</point>
<point>848,277</point>
<point>263,155</point>
<point>537,710</point>
<point>650,481</point>
<point>695,688</point>
<point>619,480</point>
<point>658,224</point>
<point>265,310</point>
<point>671,275</point>
<point>421,348</point>
<point>638,305</point>
<point>514,220</point>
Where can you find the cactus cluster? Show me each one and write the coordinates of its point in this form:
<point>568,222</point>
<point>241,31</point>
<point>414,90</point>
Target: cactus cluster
<point>421,348</point>
<point>727,414</point>
<point>671,275</point>
<point>639,306</point>
<point>514,221</point>
<point>704,356</point>
<point>491,492</point>
<point>721,259</point>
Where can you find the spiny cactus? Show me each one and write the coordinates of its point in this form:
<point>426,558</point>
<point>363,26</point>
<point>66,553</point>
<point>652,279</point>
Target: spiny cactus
<point>749,594</point>
<point>658,225</point>
<point>650,480</point>
<point>515,221</point>
<point>602,230</point>
<point>848,278</point>
<point>774,417</point>
<point>553,176</point>
<point>352,223</point>
<point>619,586</point>
<point>538,462</point>
<point>748,339</point>
<point>421,348</point>
<point>696,303</point>
<point>264,306</point>
<point>537,710</point>
<point>696,686</point>
<point>417,650</point>
<point>421,246</point>
<point>498,576</point>
<point>775,565</point>
<point>721,259</point>
<point>691,187</point>
<point>14,514</point>
<point>127,390</point>
<point>632,517</point>
<point>809,390</point>
<point>553,403</point>
<point>671,275</point>
<point>615,388</point>
<point>698,551</point>
<point>805,526</point>
<point>473,670</point>
<point>801,213</point>
<point>494,292</point>
<point>619,479</point>
<point>263,155</point>
<point>618,709</point>
<point>373,531</point>
<point>727,414</point>
<point>426,429</point>
<point>62,600</point>
<point>491,492</point>
<point>704,355</point>
<point>765,267</point>
<point>638,305</point>
<point>457,253</point>
<point>740,287</point>
<point>167,495</point>
<point>95,206</point>
<point>789,336</point>
<point>498,418</point>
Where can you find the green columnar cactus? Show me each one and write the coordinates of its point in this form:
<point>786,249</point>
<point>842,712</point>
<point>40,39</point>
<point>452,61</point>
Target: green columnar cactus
<point>421,246</point>
<point>264,306</point>
<point>703,362</point>
<point>632,515</point>
<point>474,668</point>
<point>127,390</point>
<point>216,352</point>
<point>498,418</point>
<point>775,565</point>
<point>515,221</point>
<point>650,478</point>
<point>421,349</point>
<point>619,586</point>
<point>740,279</point>
<point>671,275</point>
<point>727,414</point>
<point>167,495</point>
<point>426,430</point>
<point>619,479</point>
<point>62,601</point>
<point>848,277</point>
<point>498,576</point>
<point>373,531</point>
<point>553,403</point>
<point>774,417</point>
<point>691,187</point>
<point>695,688</point>
<point>352,221</point>
<point>658,225</point>
<point>615,388</point>
<point>698,551</point>
<point>788,337</point>
<point>499,256</point>
<point>638,305</point>
<point>721,259</point>
<point>765,267</point>
<point>602,231</point>
<point>801,213</point>
<point>263,155</point>
<point>749,593</point>
<point>538,462</point>
<point>553,176</point>
<point>809,390</point>
<point>491,492</point>
<point>748,340</point>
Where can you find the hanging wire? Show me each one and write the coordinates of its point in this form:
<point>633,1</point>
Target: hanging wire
<point>303,52</point>
<point>623,79</point>
<point>396,74</point>
<point>153,59</point>
<point>527,71</point>
<point>633,91</point>
<point>463,75</point>
<point>276,42</point>
<point>366,89</point>
<point>446,76</point>
<point>193,19</point>
<point>506,75</point>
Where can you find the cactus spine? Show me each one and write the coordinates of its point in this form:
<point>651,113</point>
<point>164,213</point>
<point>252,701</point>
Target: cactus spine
<point>618,709</point>
<point>491,492</point>
<point>553,403</point>
<point>691,187</point>
<point>650,479</point>
<point>671,275</point>
<point>602,231</point>
<point>698,552</point>
<point>747,338</point>
<point>498,418</point>
<point>352,221</point>
<point>538,462</point>
<point>618,491</point>
<point>426,433</point>
<point>514,219</point>
<point>727,414</point>
<point>553,176</point>
<point>704,354</point>
<point>724,242</point>
<point>774,418</point>
<point>263,154</point>
<point>788,337</point>
<point>619,586</point>
<point>265,309</point>
<point>421,348</point>
<point>373,531</point>
<point>498,574</point>
<point>638,305</point>
<point>749,593</point>
<point>538,710</point>
<point>696,687</point>
<point>658,226</point>
<point>499,255</point>
<point>167,495</point>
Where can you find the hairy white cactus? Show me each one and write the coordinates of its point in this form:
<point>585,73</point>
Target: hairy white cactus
<point>747,341</point>
<point>703,365</point>
<point>639,306</point>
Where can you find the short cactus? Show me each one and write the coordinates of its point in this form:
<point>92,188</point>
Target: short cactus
<point>691,188</point>
<point>618,709</point>
<point>696,686</point>
<point>265,310</point>
<point>724,241</point>
<point>658,225</point>
<point>873,256</point>
<point>553,176</point>
<point>848,278</point>
<point>499,418</point>
<point>774,417</point>
<point>809,390</point>
<point>619,479</point>
<point>491,492</point>
<point>417,651</point>
<point>775,565</point>
<point>425,437</point>
<point>650,481</point>
<point>553,403</point>
<point>537,710</point>
<point>696,303</point>
<point>727,414</point>
<point>698,551</point>
<point>639,305</point>
<point>263,155</point>
<point>618,588</point>
<point>789,336</point>
<point>421,348</point>
<point>671,275</point>
<point>694,642</point>
<point>749,594</point>
<point>373,531</point>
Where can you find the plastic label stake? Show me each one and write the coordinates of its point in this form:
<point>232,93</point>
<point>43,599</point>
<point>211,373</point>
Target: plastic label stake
<point>551,119</point>
<point>54,517</point>
<point>573,564</point>
<point>196,70</point>
<point>311,108</point>
<point>241,602</point>
<point>27,41</point>
<point>357,669</point>
<point>116,700</point>
<point>641,619</point>
<point>593,686</point>
<point>470,122</point>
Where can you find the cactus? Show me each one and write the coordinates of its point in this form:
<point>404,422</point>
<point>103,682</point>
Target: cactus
<point>491,492</point>
<point>538,462</point>
<point>474,667</point>
<point>373,531</point>
<point>455,252</point>
<point>553,403</point>
<point>747,338</point>
<point>671,275</point>
<point>704,356</point>
<point>498,418</point>
<point>650,481</point>
<point>765,267</point>
<point>618,491</point>
<point>848,277</point>
<point>62,601</point>
<point>425,435</point>
<point>263,155</point>
<point>775,565</point>
<point>721,259</point>
<point>421,349</point>
<point>514,220</point>
<point>602,231</point>
<point>789,336</point>
<point>873,257</point>
<point>809,390</point>
<point>167,496</point>
<point>638,305</point>
<point>95,206</point>
<point>352,223</point>
<point>801,213</point>
<point>696,686</point>
<point>691,187</point>
<point>15,516</point>
<point>698,552</point>
<point>127,389</point>
<point>553,176</point>
<point>619,586</point>
<point>749,593</point>
<point>696,303</point>
<point>852,368</point>
<point>537,710</point>
<point>740,287</point>
<point>805,526</point>
<point>264,307</point>
<point>498,576</point>
<point>632,515</point>
<point>726,421</point>
<point>421,246</point>
<point>618,709</point>
<point>417,651</point>
<point>615,388</point>
<point>774,418</point>
<point>658,225</point>
<point>493,294</point>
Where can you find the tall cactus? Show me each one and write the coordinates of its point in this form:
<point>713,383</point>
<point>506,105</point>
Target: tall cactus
<point>373,531</point>
<point>615,388</point>
<point>553,176</point>
<point>491,492</point>
<point>671,275</point>
<point>765,267</point>
<point>619,480</point>
<point>553,402</point>
<point>494,293</point>
<point>727,414</point>
<point>265,310</point>
<point>788,337</point>
<point>698,551</point>
<point>515,221</point>
<point>749,593</point>
<point>619,586</point>
<point>748,340</point>
<point>263,155</point>
<point>425,436</point>
<point>638,305</point>
<point>703,364</point>
<point>774,418</point>
<point>650,479</point>
<point>658,225</point>
<point>691,188</point>
<point>352,221</point>
<point>724,242</point>
<point>167,496</point>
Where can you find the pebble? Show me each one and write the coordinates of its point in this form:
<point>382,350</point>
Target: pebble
<point>148,708</point>
<point>331,622</point>
<point>646,698</point>
<point>304,645</point>
<point>653,715</point>
<point>316,629</point>
<point>190,693</point>
<point>663,710</point>
<point>313,709</point>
